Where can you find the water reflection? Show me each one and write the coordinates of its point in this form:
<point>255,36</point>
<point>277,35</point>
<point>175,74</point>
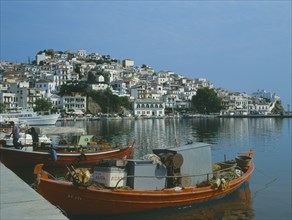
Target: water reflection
<point>235,206</point>
<point>229,134</point>
<point>206,129</point>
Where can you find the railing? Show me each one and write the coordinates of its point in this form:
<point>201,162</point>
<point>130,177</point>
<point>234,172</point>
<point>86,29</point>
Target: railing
<point>208,175</point>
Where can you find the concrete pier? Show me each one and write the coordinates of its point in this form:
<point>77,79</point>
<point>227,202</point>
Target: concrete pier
<point>19,201</point>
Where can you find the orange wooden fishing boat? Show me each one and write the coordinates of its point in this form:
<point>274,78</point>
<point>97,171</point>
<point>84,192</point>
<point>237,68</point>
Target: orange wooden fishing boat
<point>146,192</point>
<point>52,157</point>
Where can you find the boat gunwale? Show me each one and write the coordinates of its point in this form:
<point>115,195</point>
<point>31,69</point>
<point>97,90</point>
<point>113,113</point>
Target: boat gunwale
<point>66,154</point>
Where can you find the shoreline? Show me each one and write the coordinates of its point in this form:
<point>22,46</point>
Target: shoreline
<point>255,116</point>
<point>176,117</point>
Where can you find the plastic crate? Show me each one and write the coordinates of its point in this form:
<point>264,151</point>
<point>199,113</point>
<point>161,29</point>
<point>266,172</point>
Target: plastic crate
<point>109,176</point>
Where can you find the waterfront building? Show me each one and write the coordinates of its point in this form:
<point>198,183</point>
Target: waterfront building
<point>259,108</point>
<point>235,103</point>
<point>148,108</point>
<point>56,101</point>
<point>74,102</point>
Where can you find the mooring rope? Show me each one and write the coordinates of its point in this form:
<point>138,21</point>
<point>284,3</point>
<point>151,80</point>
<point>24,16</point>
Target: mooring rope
<point>272,179</point>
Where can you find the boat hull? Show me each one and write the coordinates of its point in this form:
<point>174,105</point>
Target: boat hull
<point>12,157</point>
<point>90,201</point>
<point>42,120</point>
<point>31,118</point>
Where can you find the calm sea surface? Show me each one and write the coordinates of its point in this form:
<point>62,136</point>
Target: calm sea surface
<point>268,196</point>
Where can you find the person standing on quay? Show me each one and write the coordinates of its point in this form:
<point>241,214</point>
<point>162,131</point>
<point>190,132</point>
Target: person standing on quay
<point>15,134</point>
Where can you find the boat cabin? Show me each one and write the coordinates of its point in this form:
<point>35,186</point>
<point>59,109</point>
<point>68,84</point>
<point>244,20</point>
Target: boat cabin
<point>167,168</point>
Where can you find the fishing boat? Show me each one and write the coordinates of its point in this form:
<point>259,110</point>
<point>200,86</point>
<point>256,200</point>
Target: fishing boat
<point>168,178</point>
<point>25,140</point>
<point>64,154</point>
<point>5,126</point>
<point>29,116</point>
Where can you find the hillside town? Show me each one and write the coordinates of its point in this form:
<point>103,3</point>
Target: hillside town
<point>149,91</point>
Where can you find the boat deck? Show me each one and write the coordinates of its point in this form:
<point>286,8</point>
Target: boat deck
<point>19,201</point>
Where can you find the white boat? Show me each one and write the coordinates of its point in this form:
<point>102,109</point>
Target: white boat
<point>30,117</point>
<point>25,140</point>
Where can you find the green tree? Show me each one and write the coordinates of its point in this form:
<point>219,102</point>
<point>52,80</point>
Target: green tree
<point>109,102</point>
<point>71,88</point>
<point>50,52</point>
<point>2,107</point>
<point>77,68</point>
<point>42,105</point>
<point>91,78</point>
<point>206,101</point>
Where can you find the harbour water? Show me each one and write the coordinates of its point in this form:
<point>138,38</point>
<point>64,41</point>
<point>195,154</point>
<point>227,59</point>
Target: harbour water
<point>267,197</point>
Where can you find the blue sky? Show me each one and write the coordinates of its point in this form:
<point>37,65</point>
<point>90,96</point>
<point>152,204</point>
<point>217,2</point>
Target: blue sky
<point>238,45</point>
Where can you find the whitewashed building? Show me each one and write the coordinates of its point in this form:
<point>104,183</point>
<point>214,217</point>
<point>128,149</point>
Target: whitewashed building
<point>74,102</point>
<point>47,86</point>
<point>41,57</point>
<point>8,99</point>
<point>148,108</point>
<point>81,53</point>
<point>259,108</point>
<point>265,95</point>
<point>128,63</point>
<point>100,86</point>
<point>120,87</point>
<point>56,101</point>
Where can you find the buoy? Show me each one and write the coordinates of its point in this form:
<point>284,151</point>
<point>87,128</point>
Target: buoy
<point>54,155</point>
<point>223,184</point>
<point>217,183</point>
